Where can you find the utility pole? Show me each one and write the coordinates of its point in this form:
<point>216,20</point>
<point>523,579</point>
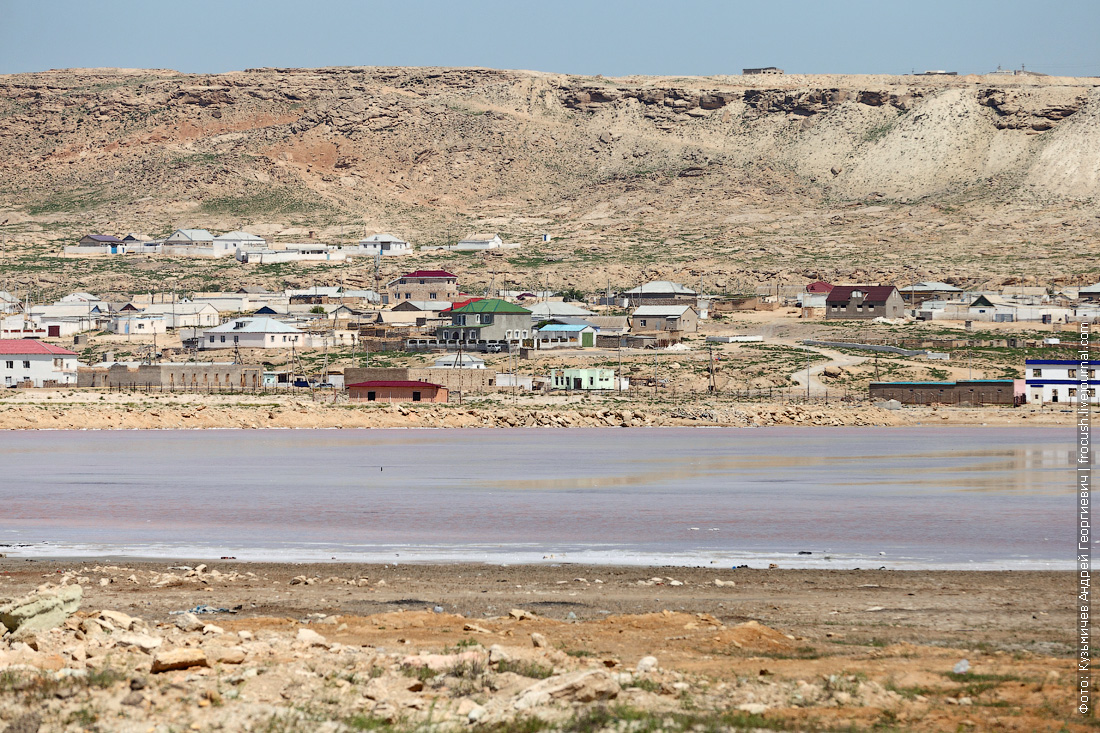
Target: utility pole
<point>807,375</point>
<point>655,371</point>
<point>620,372</point>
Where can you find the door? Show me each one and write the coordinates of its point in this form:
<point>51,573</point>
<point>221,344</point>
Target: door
<point>588,339</point>
<point>53,331</point>
<point>416,396</point>
<point>372,396</point>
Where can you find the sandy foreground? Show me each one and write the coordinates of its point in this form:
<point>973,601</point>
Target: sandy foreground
<point>339,647</point>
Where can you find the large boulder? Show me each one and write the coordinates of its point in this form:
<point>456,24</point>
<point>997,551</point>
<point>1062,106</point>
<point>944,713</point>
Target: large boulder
<point>582,686</point>
<point>44,609</point>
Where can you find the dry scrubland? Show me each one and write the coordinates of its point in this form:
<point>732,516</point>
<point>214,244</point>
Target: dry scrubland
<point>486,648</point>
<point>975,180</point>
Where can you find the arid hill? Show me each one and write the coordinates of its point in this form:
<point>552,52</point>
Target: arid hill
<point>732,179</point>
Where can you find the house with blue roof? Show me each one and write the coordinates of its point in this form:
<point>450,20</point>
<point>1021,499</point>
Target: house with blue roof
<point>555,335</point>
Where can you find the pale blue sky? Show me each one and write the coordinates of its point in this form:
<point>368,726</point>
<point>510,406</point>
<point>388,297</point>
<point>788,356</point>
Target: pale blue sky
<point>615,37</point>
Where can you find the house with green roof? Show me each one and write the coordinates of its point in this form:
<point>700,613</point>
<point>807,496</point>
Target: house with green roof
<point>484,323</point>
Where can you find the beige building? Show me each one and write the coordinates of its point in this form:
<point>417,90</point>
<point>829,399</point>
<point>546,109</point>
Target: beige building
<point>422,285</point>
<point>648,318</point>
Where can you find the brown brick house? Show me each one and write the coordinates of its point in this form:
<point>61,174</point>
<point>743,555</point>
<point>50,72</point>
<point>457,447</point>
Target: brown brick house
<point>864,302</point>
<point>396,391</point>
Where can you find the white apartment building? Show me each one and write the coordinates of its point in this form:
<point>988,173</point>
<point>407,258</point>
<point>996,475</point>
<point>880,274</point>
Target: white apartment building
<point>1058,380</point>
<point>253,333</point>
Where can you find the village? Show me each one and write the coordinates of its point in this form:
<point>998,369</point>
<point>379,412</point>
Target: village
<point>424,336</point>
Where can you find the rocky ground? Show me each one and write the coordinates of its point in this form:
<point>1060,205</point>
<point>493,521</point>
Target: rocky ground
<point>333,647</point>
<point>84,410</point>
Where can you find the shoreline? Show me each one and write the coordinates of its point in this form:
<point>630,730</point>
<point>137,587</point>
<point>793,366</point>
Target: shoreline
<point>56,410</point>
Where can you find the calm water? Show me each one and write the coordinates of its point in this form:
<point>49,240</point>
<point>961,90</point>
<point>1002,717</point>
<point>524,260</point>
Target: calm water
<point>926,497</point>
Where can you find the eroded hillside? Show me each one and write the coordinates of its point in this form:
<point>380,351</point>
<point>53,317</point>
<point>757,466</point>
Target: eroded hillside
<point>731,179</point>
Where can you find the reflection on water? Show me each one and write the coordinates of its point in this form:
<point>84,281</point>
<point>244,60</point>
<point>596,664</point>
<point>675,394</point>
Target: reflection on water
<point>934,495</point>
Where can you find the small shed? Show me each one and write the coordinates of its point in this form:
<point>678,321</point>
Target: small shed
<point>396,391</point>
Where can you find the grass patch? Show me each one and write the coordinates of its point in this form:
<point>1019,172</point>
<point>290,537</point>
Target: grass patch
<point>276,201</point>
<point>533,670</point>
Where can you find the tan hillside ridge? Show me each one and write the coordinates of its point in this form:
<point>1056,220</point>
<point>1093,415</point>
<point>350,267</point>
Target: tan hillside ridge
<point>973,179</point>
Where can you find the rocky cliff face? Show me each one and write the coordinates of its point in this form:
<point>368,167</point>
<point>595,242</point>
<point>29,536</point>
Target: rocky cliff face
<point>435,153</point>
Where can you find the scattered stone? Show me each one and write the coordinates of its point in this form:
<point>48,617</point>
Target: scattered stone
<point>189,622</point>
<point>646,664</point>
<point>144,642</point>
<point>538,640</point>
<point>582,686</point>
<point>183,658</point>
<point>520,615</point>
<point>133,698</point>
<point>41,610</point>
<point>311,638</point>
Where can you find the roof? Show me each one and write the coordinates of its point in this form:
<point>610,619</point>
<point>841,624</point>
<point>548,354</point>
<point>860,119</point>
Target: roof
<point>31,346</point>
<point>948,384</point>
<point>570,327</point>
<point>239,236</point>
<point>396,383</point>
<point>253,290</point>
<point>375,238</point>
<point>450,359</point>
<point>193,235</point>
<point>104,238</point>
<point>253,325</point>
<point>659,311</point>
<point>871,293</point>
<point>483,237</point>
<point>459,303</point>
<point>491,305</point>
<point>931,286</point>
<point>429,273</point>
<point>819,286</point>
<point>660,286</point>
<point>422,305</point>
<point>558,308</point>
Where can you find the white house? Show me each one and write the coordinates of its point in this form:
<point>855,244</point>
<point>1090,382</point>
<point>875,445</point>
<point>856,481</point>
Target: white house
<point>1058,380</point>
<point>185,315</point>
<point>557,309</point>
<point>565,335</point>
<point>28,360</point>
<point>480,241</point>
<point>381,244</point>
<point>253,333</point>
<point>458,361</point>
<point>190,236</point>
<point>138,324</point>
<point>228,243</point>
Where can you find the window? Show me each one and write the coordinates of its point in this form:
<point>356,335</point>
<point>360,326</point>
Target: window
<point>1073,374</point>
<point>508,334</point>
<point>431,296</point>
<point>10,364</point>
<point>525,333</point>
<point>1072,391</point>
<point>643,321</point>
<point>408,296</point>
<point>284,339</point>
<point>421,281</point>
<point>223,339</point>
<point>272,339</point>
<point>1092,374</point>
<point>1036,373</point>
<point>26,363</point>
<point>211,339</point>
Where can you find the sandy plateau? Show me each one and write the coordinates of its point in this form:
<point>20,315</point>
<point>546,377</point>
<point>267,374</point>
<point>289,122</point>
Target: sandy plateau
<point>336,647</point>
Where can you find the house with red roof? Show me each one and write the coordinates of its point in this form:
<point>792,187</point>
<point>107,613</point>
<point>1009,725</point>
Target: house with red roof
<point>422,285</point>
<point>864,302</point>
<point>36,363</point>
<point>819,287</point>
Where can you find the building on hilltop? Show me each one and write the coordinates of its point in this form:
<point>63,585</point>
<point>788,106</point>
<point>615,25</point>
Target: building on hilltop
<point>761,70</point>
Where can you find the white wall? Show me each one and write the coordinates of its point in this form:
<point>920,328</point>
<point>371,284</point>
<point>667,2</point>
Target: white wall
<point>38,368</point>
